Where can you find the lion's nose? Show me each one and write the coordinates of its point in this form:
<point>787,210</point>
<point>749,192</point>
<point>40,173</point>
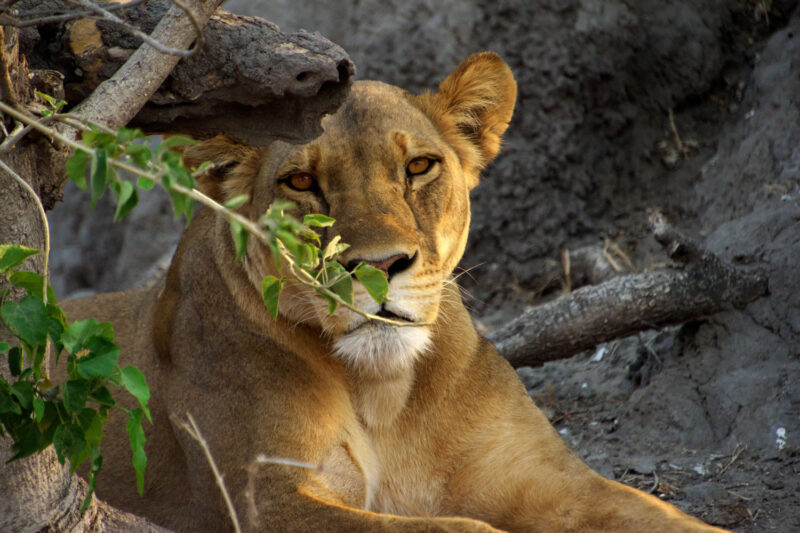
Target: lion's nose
<point>390,266</point>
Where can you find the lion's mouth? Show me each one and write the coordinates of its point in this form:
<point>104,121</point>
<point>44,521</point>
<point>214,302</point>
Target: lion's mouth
<point>391,315</point>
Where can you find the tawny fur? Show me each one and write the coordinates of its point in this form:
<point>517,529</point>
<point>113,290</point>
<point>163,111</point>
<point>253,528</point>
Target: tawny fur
<point>422,431</point>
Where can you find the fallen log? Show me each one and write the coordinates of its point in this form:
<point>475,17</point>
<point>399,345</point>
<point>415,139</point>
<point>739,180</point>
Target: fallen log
<point>700,285</point>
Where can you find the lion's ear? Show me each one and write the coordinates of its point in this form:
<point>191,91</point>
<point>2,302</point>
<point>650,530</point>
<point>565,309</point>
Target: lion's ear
<point>232,170</point>
<point>475,102</point>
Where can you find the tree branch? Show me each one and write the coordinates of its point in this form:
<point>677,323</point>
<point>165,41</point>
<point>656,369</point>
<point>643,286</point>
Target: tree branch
<point>105,14</point>
<point>249,80</point>
<point>117,100</point>
<point>624,305</point>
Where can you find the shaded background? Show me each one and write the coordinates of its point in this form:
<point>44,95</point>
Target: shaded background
<point>707,414</point>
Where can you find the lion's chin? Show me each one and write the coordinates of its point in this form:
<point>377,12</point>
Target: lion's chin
<point>381,349</point>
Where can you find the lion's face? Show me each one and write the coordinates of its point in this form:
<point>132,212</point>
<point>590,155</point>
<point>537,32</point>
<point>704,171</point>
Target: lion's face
<point>395,171</point>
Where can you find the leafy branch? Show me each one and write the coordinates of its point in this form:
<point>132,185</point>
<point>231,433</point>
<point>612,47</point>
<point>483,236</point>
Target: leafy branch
<point>35,412</point>
<point>292,242</point>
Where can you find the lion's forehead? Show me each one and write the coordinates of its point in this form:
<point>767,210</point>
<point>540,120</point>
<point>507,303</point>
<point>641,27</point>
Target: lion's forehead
<point>371,113</point>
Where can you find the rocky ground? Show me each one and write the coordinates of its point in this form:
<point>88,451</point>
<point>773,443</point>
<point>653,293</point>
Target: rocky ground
<point>689,106</point>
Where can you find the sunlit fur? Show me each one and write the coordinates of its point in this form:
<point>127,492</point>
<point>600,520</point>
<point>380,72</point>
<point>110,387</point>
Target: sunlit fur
<point>380,348</point>
<point>370,427</point>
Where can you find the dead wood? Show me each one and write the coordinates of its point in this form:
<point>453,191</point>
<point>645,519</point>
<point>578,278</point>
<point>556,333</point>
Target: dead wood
<point>248,80</point>
<point>701,286</point>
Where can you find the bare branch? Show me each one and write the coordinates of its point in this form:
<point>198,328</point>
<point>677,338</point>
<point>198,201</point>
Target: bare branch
<point>142,74</point>
<point>194,432</point>
<point>105,14</point>
<point>627,304</point>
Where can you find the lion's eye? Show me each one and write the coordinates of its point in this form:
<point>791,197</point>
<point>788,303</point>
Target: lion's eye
<point>302,181</point>
<point>419,165</point>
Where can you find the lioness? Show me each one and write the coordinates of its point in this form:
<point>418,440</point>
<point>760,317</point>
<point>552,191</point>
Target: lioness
<point>420,428</point>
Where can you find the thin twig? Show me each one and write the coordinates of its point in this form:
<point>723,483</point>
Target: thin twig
<point>111,17</point>
<point>736,453</point>
<point>194,432</point>
<point>42,215</point>
<point>656,483</point>
<point>678,141</point>
<point>48,17</point>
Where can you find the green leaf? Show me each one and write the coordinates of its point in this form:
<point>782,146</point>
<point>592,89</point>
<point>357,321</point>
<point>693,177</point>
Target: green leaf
<point>319,221</point>
<point>46,97</point>
<point>134,382</point>
<point>240,236</point>
<point>38,409</point>
<point>7,403</point>
<point>103,396</point>
<point>311,257</point>
<point>102,359</point>
<point>27,319</point>
<point>3,347</point>
<point>271,288</point>
<point>68,441</point>
<point>32,282</point>
<point>374,281</point>
<point>126,135</point>
<point>99,174</point>
<point>76,168</point>
<point>334,248</point>
<point>140,154</point>
<point>77,333</point>
<point>23,390</point>
<point>237,201</point>
<point>28,440</point>
<point>12,255</point>
<point>145,183</point>
<point>15,361</point>
<point>295,247</point>
<point>332,303</point>
<point>281,205</point>
<point>95,137</point>
<point>58,322</point>
<point>127,200</point>
<point>173,141</point>
<point>343,287</point>
<point>92,426</point>
<point>75,393</point>
<point>136,435</point>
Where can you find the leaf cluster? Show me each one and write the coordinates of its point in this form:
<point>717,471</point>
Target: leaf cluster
<point>35,412</point>
<point>290,241</point>
<point>104,149</point>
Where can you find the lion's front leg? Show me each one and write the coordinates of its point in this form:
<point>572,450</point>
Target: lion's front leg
<point>515,472</point>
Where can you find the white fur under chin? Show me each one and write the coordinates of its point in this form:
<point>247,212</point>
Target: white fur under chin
<point>383,349</point>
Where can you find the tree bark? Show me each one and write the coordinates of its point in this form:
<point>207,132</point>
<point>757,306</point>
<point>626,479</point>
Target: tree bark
<point>627,304</point>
